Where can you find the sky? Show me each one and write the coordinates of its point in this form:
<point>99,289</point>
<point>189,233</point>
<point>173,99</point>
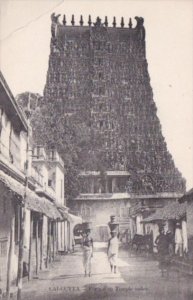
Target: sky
<point>25,45</point>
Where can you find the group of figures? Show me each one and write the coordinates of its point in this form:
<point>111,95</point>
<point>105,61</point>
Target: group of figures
<point>87,246</point>
<point>168,245</point>
<point>165,251</point>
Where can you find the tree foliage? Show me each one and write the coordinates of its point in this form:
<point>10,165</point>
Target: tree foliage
<point>70,134</point>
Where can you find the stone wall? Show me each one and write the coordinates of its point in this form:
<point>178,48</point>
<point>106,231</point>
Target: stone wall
<point>99,211</point>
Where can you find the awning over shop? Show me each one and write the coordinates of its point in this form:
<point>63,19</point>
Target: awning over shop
<point>33,201</point>
<point>172,211</point>
<point>75,219</point>
<point>13,185</point>
<point>69,217</point>
<point>51,210</point>
<point>42,205</point>
<point>63,212</point>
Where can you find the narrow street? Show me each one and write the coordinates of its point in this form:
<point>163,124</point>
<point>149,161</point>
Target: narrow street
<point>137,278</point>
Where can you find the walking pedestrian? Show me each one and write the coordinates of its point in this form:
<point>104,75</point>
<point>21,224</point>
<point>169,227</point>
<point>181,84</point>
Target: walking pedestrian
<point>112,251</point>
<point>178,240</point>
<point>163,251</point>
<point>87,245</point>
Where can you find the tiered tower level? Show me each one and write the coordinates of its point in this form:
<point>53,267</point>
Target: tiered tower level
<point>103,70</point>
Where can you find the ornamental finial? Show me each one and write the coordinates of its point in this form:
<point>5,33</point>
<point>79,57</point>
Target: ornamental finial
<point>106,21</point>
<point>89,20</point>
<point>64,20</point>
<point>72,22</point>
<point>114,22</point>
<point>81,20</point>
<point>130,23</point>
<point>122,22</point>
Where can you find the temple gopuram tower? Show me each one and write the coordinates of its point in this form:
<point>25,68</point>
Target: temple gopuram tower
<point>101,72</point>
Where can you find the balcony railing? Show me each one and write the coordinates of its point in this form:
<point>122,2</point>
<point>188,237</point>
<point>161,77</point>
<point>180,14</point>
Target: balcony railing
<point>38,177</point>
<point>141,207</point>
<point>39,153</point>
<point>54,156</point>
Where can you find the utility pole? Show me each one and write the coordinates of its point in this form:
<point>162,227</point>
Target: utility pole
<point>23,213</point>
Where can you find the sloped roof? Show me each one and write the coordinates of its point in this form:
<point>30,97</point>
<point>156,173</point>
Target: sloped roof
<point>13,185</point>
<point>75,219</point>
<point>70,217</point>
<point>33,201</point>
<point>188,196</point>
<point>42,205</point>
<point>10,104</point>
<point>51,210</point>
<point>172,211</point>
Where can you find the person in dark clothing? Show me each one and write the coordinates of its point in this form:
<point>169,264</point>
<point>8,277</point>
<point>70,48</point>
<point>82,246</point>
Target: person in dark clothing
<point>162,244</point>
<point>170,237</point>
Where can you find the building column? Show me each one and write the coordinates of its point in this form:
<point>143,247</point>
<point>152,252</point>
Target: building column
<point>139,225</point>
<point>131,228</point>
<point>114,184</point>
<point>54,239</point>
<point>65,238</point>
<point>106,186</point>
<point>92,185</point>
<point>48,260</point>
<point>68,235</point>
<point>37,246</point>
<point>10,256</point>
<point>41,243</point>
<point>30,247</point>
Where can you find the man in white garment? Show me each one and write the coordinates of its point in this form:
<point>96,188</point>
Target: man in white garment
<point>178,240</point>
<point>112,251</point>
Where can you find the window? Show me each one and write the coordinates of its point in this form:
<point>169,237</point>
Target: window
<point>61,191</point>
<point>86,211</point>
<point>109,47</point>
<point>97,45</point>
<point>124,212</point>
<point>52,154</point>
<point>101,90</point>
<point>100,61</point>
<point>37,225</point>
<point>101,75</point>
<point>100,106</point>
<point>101,123</point>
<point>34,229</point>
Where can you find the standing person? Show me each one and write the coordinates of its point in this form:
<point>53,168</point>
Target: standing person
<point>163,251</point>
<point>112,251</point>
<point>178,240</point>
<point>87,245</point>
<point>170,237</point>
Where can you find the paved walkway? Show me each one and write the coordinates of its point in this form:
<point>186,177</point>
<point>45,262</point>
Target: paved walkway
<point>138,278</point>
